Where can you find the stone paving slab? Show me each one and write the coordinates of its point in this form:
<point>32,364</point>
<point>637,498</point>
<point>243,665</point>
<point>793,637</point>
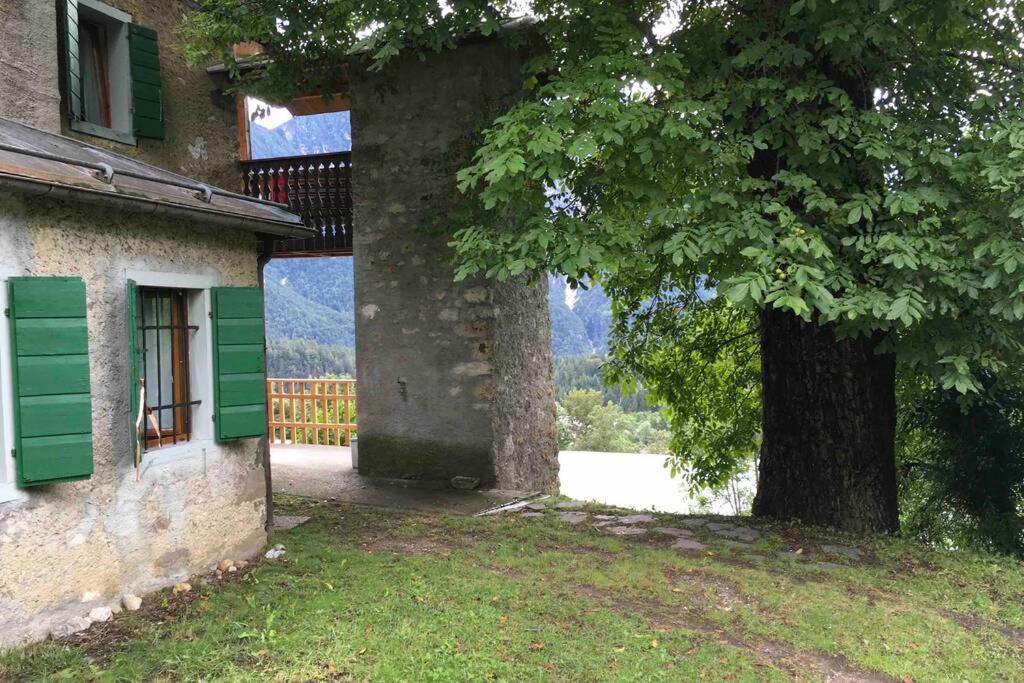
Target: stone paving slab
<point>637,519</point>
<point>627,530</point>
<point>573,517</point>
<point>673,531</point>
<point>740,533</point>
<point>688,544</point>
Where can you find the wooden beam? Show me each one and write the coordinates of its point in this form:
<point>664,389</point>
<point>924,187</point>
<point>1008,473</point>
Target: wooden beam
<point>242,119</point>
<point>314,103</point>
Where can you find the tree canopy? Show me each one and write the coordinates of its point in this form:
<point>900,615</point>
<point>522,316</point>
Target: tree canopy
<point>857,164</point>
<point>632,151</point>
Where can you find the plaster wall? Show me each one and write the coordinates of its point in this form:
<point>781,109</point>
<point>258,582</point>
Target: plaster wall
<point>454,378</point>
<point>29,91</point>
<point>201,132</point>
<point>66,548</point>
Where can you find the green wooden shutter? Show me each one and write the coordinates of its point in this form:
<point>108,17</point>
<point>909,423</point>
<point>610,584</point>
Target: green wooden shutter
<point>147,86</point>
<point>239,363</point>
<point>52,399</point>
<point>72,67</point>
<point>134,360</point>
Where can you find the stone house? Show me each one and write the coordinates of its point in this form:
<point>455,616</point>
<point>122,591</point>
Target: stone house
<point>132,397</point>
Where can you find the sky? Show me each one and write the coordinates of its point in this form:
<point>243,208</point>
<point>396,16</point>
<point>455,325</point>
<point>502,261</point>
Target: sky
<point>275,118</point>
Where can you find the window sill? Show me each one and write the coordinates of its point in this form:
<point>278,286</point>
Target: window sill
<point>157,457</point>
<point>101,132</point>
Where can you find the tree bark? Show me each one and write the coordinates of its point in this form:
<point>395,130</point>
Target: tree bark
<point>828,448</point>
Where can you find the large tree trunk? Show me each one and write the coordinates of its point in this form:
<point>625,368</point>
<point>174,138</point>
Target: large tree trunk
<point>827,455</point>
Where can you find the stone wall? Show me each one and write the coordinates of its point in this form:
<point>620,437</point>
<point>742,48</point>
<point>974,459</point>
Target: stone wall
<point>66,548</point>
<point>29,92</point>
<point>454,379</point>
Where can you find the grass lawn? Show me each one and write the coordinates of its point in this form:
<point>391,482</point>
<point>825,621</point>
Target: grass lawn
<point>385,595</point>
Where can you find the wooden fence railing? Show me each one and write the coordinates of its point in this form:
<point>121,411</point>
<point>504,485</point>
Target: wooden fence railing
<point>319,412</point>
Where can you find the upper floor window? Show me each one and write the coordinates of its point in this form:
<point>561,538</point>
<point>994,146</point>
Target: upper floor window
<point>112,82</point>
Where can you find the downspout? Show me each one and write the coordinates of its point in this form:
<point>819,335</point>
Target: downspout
<point>263,257</point>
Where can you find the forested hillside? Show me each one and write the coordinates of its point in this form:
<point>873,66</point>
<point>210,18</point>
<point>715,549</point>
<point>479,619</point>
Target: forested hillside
<point>311,299</point>
<point>580,319</point>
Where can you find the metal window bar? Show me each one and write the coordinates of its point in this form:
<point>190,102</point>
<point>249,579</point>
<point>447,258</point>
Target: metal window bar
<point>181,415</point>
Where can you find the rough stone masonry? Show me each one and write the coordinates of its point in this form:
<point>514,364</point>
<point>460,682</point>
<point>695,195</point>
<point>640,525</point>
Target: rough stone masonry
<point>455,379</point>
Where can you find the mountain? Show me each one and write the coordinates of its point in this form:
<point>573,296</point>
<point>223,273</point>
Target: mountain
<point>594,309</point>
<point>568,335</point>
<point>580,319</point>
<point>314,134</point>
<point>311,299</point>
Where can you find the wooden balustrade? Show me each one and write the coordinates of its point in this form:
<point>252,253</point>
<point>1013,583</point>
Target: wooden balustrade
<point>317,187</point>
<point>320,412</point>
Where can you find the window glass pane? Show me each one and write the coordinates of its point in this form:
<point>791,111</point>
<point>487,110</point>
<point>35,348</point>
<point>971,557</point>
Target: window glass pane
<point>92,45</point>
<point>164,334</point>
<point>159,381</point>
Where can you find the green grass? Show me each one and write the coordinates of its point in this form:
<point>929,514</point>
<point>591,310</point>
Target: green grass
<point>369,594</point>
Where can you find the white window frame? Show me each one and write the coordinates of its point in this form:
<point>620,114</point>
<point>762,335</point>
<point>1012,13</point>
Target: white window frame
<point>119,74</point>
<point>9,490</point>
<point>200,361</point>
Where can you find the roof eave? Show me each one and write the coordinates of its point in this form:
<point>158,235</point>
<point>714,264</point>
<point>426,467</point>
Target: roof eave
<point>139,204</point>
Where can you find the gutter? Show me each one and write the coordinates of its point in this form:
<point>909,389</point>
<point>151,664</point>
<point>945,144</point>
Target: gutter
<point>151,206</point>
<point>106,173</point>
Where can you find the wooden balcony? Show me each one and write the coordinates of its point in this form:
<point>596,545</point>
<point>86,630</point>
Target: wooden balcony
<point>318,188</point>
<point>317,412</point>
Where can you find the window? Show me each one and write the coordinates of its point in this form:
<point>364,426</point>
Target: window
<point>94,58</point>
<point>112,83</point>
<point>165,338</point>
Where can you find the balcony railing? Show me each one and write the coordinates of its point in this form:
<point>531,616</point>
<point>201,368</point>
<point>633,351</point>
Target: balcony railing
<point>318,412</point>
<point>318,188</point>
